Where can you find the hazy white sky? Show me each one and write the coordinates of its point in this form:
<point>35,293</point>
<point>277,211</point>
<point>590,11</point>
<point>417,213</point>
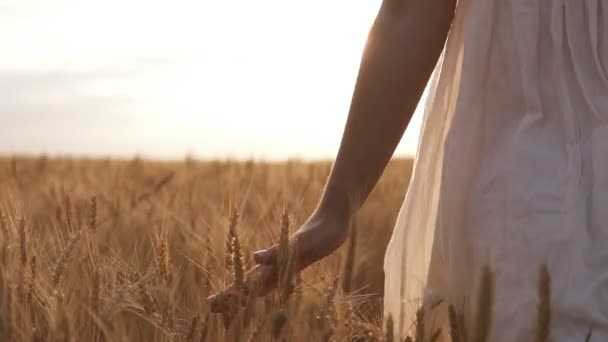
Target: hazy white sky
<point>266,78</point>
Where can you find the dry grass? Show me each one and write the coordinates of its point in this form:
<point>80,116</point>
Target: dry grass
<point>105,250</point>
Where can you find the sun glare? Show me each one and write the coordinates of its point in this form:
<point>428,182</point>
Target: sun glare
<point>268,78</point>
<point>275,75</point>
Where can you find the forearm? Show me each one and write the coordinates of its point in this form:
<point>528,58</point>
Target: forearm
<point>403,47</point>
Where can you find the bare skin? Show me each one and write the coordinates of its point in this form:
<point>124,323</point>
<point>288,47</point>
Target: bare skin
<point>403,47</point>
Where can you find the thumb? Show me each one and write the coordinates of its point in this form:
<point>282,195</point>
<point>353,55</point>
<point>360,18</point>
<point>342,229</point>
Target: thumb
<point>266,256</point>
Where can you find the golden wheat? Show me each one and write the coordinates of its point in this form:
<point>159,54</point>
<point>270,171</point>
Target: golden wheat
<point>156,245</point>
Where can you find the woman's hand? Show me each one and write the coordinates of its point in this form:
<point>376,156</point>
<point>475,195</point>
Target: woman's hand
<point>322,234</point>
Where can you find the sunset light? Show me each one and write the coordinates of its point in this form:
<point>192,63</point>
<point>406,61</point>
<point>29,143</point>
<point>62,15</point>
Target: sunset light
<point>265,79</point>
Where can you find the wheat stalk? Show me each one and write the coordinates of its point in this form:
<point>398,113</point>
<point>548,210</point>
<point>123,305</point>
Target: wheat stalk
<point>204,330</point>
<point>59,267</point>
<point>279,320</point>
<point>456,331</point>
<point>288,273</point>
<point>283,247</point>
<point>68,212</point>
<point>543,319</point>
<point>389,336</point>
<point>5,240</point>
<point>157,187</point>
<point>485,305</point>
<point>4,226</point>
<point>162,258</point>
<point>93,214</point>
<point>191,332</point>
<point>149,304</point>
<point>349,263</point>
<point>326,313</point>
<point>233,221</point>
<point>7,323</point>
<point>22,243</point>
<point>238,264</point>
<point>420,317</point>
<point>32,279</point>
<point>96,290</point>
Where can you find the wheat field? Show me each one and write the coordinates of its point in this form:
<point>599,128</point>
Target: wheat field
<point>110,250</point>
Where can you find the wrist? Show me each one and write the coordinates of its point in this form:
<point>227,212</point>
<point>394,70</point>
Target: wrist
<point>321,235</point>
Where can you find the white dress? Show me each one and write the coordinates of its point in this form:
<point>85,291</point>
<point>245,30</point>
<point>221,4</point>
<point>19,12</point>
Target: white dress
<point>512,171</point>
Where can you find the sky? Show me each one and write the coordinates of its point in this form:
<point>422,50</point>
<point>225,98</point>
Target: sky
<point>266,79</point>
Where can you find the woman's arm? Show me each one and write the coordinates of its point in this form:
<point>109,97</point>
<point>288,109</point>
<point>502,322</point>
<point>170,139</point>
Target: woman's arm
<point>403,47</point>
<point>402,50</point>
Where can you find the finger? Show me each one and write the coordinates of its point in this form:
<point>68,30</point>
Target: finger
<point>213,302</point>
<point>262,279</point>
<point>266,256</point>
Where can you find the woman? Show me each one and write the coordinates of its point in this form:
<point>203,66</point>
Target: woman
<point>512,168</point>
